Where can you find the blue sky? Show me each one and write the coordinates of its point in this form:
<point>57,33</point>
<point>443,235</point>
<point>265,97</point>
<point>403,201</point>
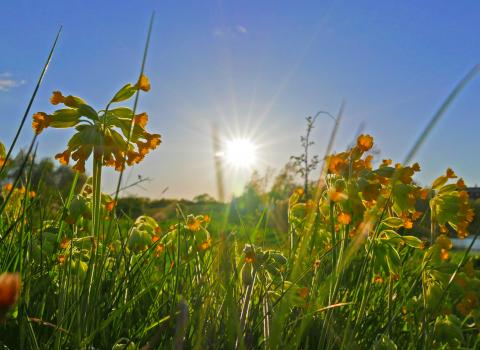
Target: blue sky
<point>257,68</point>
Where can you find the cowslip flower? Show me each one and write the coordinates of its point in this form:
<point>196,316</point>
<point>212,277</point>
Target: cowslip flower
<point>116,137</point>
<point>364,142</point>
<point>10,284</point>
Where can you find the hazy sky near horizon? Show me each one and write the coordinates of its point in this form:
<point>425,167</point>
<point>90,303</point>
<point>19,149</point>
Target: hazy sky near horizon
<point>257,69</point>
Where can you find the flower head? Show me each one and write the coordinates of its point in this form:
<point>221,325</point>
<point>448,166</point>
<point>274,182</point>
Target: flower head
<point>40,121</point>
<point>9,290</point>
<point>57,98</point>
<point>364,142</point>
<point>143,83</point>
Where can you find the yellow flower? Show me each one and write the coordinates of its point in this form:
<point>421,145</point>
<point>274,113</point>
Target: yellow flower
<point>110,205</point>
<point>9,290</point>
<point>444,254</point>
<point>143,83</point>
<point>8,187</point>
<point>386,162</point>
<point>364,142</point>
<point>40,121</point>
<point>378,279</point>
<point>204,245</point>
<point>336,163</point>
<point>64,243</point>
<point>344,218</point>
<point>450,174</point>
<point>63,157</point>
<point>193,224</point>
<point>57,98</point>
<point>416,167</point>
<point>61,259</point>
<point>141,119</point>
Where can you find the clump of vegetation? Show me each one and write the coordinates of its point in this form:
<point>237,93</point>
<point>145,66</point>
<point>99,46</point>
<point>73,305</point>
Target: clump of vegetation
<point>349,270</point>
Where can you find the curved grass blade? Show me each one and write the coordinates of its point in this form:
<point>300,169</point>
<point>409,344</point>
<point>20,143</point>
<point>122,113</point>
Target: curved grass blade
<point>441,111</point>
<point>32,98</point>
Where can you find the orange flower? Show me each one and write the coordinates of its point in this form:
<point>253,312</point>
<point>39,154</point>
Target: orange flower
<point>110,205</point>
<point>461,183</point>
<point>141,119</point>
<point>344,218</point>
<point>64,243</point>
<point>450,174</point>
<point>153,140</point>
<point>63,157</point>
<point>249,258</point>
<point>57,98</point>
<point>444,255</point>
<point>417,215</point>
<point>143,83</point>
<point>61,259</point>
<point>424,193</point>
<point>9,290</point>
<point>32,194</point>
<point>204,245</point>
<point>336,196</point>
<point>386,162</point>
<point>40,121</point>
<point>335,164</point>
<point>79,167</point>
<point>408,224</point>
<point>416,167</point>
<point>378,279</point>
<point>364,142</point>
<point>193,224</point>
<point>8,187</point>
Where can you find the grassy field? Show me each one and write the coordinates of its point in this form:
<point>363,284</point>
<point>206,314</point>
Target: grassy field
<point>348,270</point>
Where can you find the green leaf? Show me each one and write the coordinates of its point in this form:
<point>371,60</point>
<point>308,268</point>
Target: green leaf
<point>385,171</point>
<point>393,222</point>
<point>439,182</point>
<point>393,259</point>
<point>65,118</point>
<point>88,111</point>
<point>121,112</point>
<point>124,93</point>
<point>413,241</point>
<point>3,152</point>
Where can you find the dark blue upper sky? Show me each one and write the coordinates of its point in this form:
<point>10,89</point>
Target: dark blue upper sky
<point>257,68</point>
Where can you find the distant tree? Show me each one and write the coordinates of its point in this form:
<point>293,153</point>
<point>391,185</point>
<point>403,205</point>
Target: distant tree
<point>203,198</point>
<point>45,178</point>
<point>284,183</point>
<point>304,163</point>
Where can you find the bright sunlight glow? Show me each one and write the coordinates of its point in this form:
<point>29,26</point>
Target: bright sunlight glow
<point>240,153</point>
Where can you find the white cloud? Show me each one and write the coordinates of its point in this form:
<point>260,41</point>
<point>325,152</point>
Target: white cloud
<point>7,82</point>
<point>241,29</point>
<point>229,31</point>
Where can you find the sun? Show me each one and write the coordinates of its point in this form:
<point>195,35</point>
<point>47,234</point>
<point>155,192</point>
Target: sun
<point>240,153</point>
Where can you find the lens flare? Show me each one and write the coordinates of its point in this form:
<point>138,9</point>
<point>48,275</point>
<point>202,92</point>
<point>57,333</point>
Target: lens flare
<point>240,153</point>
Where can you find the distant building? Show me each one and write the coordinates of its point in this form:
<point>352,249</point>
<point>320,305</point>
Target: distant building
<point>473,192</point>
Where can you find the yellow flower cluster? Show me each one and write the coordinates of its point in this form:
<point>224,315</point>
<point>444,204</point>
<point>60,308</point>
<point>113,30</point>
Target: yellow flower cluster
<point>115,136</point>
